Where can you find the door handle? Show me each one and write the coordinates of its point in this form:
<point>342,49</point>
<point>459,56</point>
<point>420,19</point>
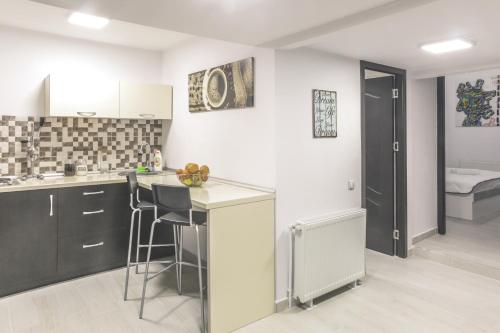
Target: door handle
<point>51,213</point>
<point>93,193</point>
<point>85,246</point>
<point>86,114</point>
<point>147,115</point>
<point>94,212</point>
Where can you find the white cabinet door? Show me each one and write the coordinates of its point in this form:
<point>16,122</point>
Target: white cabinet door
<point>79,97</point>
<point>145,101</point>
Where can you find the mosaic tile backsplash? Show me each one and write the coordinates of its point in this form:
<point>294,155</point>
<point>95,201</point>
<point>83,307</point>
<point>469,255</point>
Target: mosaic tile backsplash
<point>63,139</point>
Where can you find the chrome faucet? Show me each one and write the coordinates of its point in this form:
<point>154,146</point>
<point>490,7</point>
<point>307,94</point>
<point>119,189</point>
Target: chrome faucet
<point>32,152</point>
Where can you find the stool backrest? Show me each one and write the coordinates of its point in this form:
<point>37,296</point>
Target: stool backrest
<point>171,198</point>
<point>132,182</point>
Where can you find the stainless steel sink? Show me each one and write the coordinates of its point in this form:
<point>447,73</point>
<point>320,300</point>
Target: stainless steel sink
<point>150,173</point>
<point>8,181</point>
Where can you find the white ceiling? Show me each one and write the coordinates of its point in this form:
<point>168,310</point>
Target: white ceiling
<point>382,31</point>
<point>250,22</point>
<point>38,17</point>
<point>394,40</point>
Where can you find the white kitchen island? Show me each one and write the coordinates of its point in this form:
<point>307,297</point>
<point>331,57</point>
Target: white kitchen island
<point>240,251</point>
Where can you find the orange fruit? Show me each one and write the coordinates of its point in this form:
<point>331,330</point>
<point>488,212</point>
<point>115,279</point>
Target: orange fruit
<point>204,170</point>
<point>192,168</point>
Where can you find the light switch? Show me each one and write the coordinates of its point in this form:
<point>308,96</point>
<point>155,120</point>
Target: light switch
<point>350,185</point>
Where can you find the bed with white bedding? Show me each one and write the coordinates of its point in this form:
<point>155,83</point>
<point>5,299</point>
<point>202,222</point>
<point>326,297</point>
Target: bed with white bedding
<point>472,194</point>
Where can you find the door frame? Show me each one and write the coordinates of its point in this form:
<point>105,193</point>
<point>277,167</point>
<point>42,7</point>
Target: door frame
<point>441,156</point>
<point>401,174</point>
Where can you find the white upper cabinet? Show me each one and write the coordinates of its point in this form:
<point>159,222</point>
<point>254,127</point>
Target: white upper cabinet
<point>145,101</point>
<point>80,97</point>
<point>83,97</point>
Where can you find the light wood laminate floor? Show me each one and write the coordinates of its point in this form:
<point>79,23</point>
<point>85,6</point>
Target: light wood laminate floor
<point>473,246</point>
<point>412,295</point>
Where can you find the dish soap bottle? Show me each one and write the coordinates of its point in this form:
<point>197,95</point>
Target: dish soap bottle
<point>157,161</point>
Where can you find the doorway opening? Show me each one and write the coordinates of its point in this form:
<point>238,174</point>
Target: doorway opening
<point>468,174</point>
<point>383,142</point>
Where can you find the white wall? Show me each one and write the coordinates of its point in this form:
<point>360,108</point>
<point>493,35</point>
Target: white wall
<point>312,174</point>
<point>470,144</point>
<point>236,144</point>
<point>271,145</point>
<point>422,156</point>
<point>26,58</point>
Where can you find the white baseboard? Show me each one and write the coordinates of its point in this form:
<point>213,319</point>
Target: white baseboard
<point>426,234</point>
<point>281,304</point>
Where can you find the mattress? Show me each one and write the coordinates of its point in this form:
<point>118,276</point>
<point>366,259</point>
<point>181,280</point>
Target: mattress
<point>466,181</point>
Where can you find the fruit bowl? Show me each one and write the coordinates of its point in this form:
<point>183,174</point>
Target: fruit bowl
<point>193,175</point>
<point>192,179</point>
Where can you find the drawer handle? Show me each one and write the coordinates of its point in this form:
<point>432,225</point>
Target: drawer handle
<point>147,115</point>
<point>85,246</point>
<point>93,193</point>
<point>86,114</point>
<point>51,205</point>
<point>94,212</point>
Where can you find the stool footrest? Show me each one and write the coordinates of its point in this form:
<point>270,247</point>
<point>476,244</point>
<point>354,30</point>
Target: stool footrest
<point>151,262</point>
<point>184,263</point>
<point>158,273</point>
<point>157,245</point>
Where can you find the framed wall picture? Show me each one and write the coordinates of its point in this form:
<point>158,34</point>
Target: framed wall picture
<point>230,86</point>
<point>324,113</point>
<point>475,99</point>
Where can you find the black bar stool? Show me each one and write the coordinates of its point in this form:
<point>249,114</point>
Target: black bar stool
<point>139,208</point>
<point>177,201</point>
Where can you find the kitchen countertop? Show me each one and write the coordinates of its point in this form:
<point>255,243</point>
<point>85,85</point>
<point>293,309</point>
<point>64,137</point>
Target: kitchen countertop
<point>61,181</point>
<point>213,194</point>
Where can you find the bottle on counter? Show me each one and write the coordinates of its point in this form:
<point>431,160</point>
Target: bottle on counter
<point>157,161</point>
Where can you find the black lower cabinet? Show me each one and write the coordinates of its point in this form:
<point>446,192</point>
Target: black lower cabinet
<point>81,255</point>
<point>28,239</point>
<point>90,210</point>
<point>48,236</point>
<point>93,229</point>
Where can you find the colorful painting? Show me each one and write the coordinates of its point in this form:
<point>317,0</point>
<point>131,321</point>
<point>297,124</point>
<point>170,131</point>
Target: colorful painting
<point>229,86</point>
<point>324,114</point>
<point>474,105</point>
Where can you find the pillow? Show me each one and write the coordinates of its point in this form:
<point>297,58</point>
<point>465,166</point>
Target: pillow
<point>469,172</point>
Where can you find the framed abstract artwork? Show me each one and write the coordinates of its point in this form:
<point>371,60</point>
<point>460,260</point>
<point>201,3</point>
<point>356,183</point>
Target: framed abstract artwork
<point>230,86</point>
<point>324,113</point>
<point>474,107</point>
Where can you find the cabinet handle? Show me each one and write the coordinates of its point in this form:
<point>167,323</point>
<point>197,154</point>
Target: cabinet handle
<point>93,193</point>
<point>85,246</point>
<point>147,115</point>
<point>86,114</point>
<point>94,212</point>
<point>51,205</point>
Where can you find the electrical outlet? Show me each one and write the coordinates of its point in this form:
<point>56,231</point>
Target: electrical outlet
<point>351,185</point>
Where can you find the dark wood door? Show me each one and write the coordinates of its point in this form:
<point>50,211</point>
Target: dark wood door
<point>379,164</point>
<point>28,239</point>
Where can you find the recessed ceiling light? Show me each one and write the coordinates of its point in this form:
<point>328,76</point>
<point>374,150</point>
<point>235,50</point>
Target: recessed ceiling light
<point>88,21</point>
<point>447,46</point>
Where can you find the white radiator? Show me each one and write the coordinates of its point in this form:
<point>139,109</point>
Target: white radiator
<point>327,253</point>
